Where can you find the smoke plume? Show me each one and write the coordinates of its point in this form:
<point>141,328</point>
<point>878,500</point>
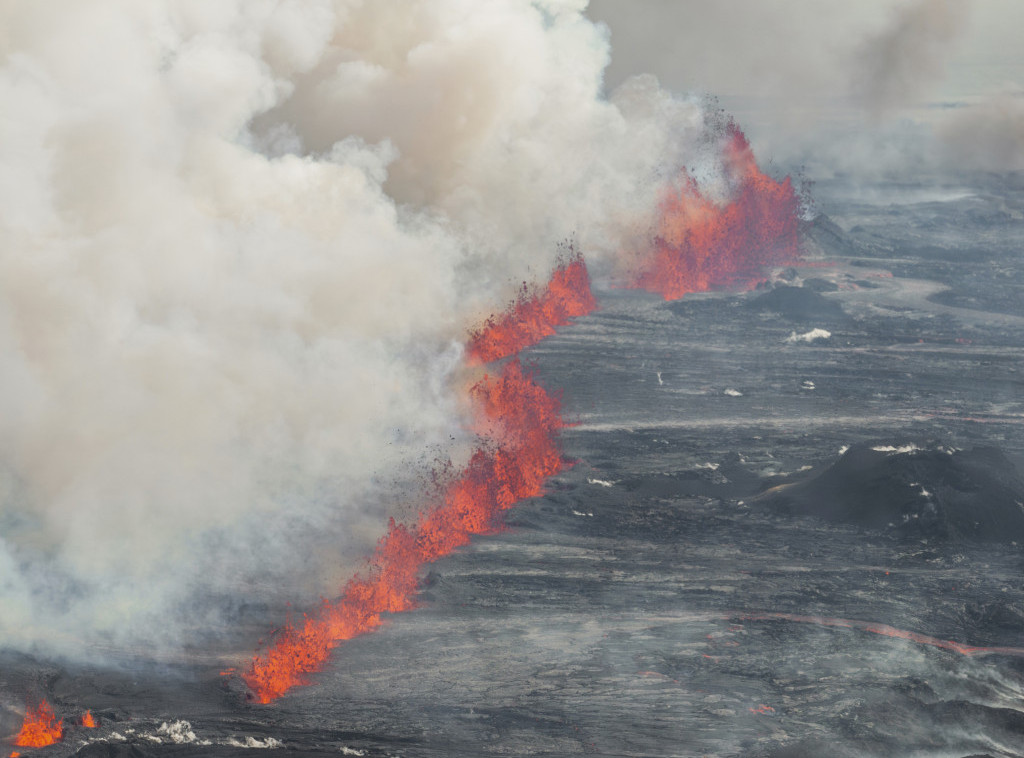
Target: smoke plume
<point>241,247</point>
<point>898,65</point>
<point>988,136</point>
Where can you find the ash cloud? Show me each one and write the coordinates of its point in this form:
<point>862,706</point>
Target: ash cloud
<point>241,245</point>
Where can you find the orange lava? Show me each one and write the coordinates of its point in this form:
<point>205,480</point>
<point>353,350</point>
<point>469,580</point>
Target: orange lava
<point>534,315</point>
<point>519,423</point>
<point>701,246</point>
<point>89,721</point>
<point>40,727</point>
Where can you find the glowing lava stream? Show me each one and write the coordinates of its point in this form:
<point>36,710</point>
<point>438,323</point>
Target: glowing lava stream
<point>885,630</point>
<point>519,423</point>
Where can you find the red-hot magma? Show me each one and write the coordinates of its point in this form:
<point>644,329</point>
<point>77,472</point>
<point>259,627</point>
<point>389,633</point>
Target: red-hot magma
<point>535,314</point>
<point>40,727</point>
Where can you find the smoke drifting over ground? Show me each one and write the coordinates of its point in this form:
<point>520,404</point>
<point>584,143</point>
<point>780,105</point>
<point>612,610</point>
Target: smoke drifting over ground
<point>242,245</point>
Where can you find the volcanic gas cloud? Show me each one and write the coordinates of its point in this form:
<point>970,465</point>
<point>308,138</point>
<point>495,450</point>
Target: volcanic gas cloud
<point>702,245</point>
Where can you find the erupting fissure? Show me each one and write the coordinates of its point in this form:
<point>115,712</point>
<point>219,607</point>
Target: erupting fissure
<point>535,315</point>
<point>518,422</point>
<point>700,245</point>
<point>40,727</point>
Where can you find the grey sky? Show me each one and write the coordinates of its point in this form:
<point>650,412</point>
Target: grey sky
<point>795,48</point>
<point>852,85</point>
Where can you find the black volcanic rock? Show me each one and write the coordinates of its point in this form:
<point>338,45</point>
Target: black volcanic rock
<point>798,304</point>
<point>937,494</point>
<point>820,285</point>
<point>730,480</point>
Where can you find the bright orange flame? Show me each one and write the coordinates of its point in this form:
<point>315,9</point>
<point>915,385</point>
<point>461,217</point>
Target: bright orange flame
<point>534,315</point>
<point>702,246</point>
<point>89,721</point>
<point>40,727</point>
<point>520,423</point>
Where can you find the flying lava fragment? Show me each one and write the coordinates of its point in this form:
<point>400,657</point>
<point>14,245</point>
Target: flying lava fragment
<point>40,727</point>
<point>700,245</point>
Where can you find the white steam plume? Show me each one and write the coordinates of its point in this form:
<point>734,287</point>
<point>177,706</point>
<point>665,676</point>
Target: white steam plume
<point>240,245</point>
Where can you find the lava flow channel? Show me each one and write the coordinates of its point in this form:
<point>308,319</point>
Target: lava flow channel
<point>886,631</point>
<point>40,727</point>
<point>700,245</point>
<point>535,315</point>
<point>518,422</point>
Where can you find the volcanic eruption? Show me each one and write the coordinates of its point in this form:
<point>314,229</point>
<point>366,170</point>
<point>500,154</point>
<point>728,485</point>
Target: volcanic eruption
<point>271,278</point>
<point>40,727</point>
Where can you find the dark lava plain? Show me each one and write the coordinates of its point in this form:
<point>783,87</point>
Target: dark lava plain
<point>658,601</point>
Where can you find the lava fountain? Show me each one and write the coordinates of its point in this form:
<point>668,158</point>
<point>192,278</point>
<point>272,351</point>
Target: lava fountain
<point>40,727</point>
<point>700,245</point>
<point>518,422</point>
<point>535,315</point>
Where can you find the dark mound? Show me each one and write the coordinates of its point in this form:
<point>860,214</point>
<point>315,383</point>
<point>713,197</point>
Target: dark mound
<point>938,494</point>
<point>825,237</point>
<point>798,304</point>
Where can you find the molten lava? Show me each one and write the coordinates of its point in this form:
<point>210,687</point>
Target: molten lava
<point>89,721</point>
<point>700,246</point>
<point>40,727</point>
<point>519,423</point>
<point>534,315</point>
